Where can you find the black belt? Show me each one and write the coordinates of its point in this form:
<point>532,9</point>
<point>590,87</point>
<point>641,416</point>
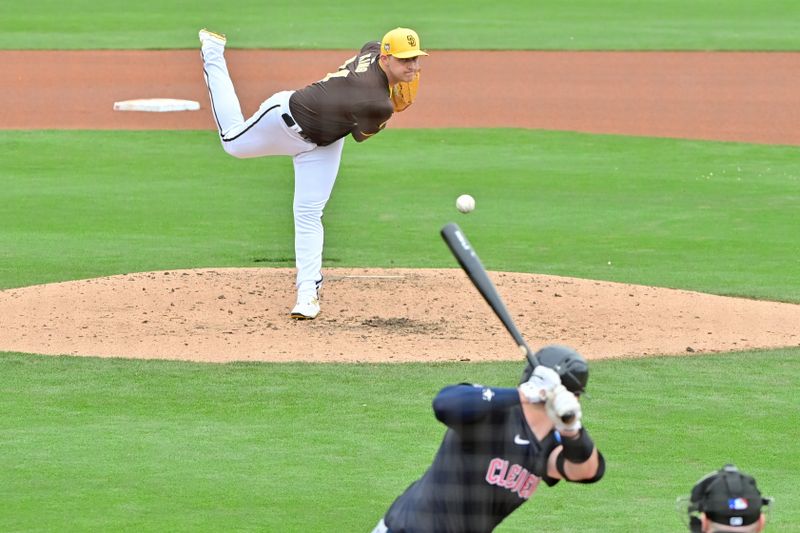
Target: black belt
<point>287,118</point>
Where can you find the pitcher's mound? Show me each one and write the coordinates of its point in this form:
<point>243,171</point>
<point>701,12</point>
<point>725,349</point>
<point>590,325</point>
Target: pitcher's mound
<point>221,314</point>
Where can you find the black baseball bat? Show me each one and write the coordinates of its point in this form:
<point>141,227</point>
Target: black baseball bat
<point>471,263</point>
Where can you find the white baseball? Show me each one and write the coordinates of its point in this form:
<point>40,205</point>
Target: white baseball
<point>465,203</point>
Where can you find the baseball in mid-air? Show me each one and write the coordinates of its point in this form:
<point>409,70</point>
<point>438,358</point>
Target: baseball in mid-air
<point>465,203</point>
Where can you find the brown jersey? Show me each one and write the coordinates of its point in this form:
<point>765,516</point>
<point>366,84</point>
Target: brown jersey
<point>355,98</point>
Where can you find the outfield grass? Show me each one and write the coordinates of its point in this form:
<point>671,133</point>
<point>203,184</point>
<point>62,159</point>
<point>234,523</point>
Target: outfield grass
<point>713,217</point>
<point>467,24</point>
<point>107,445</point>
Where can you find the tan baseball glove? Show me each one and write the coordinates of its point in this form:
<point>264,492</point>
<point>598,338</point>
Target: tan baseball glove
<point>404,93</point>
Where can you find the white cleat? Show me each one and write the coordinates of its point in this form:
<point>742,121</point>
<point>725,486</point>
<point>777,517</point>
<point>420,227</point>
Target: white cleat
<point>306,308</point>
<point>211,37</point>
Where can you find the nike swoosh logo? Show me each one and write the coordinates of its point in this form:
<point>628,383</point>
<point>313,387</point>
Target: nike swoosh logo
<point>519,440</point>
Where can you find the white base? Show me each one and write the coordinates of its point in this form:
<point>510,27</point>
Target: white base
<point>158,105</point>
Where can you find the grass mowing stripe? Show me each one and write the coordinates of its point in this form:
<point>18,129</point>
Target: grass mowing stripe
<point>709,216</point>
<point>472,25</point>
<point>153,445</point>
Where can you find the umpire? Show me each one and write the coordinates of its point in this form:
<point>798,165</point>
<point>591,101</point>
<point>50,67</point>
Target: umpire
<point>725,500</point>
<point>500,443</point>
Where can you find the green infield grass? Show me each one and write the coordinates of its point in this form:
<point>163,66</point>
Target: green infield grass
<point>707,216</point>
<point>122,445</point>
<point>347,24</point>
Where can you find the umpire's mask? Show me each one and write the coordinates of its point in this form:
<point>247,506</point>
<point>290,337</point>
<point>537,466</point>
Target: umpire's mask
<point>727,497</point>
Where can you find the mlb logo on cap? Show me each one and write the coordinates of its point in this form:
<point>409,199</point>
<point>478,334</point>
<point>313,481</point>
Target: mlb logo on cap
<point>737,504</point>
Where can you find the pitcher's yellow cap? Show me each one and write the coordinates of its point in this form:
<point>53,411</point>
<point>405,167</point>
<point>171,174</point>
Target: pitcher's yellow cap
<point>402,43</point>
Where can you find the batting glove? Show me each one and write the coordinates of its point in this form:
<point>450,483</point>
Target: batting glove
<point>564,409</point>
<point>541,383</point>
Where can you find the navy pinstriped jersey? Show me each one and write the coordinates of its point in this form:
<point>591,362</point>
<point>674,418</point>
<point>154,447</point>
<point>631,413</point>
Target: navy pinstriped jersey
<point>489,463</point>
<point>354,97</point>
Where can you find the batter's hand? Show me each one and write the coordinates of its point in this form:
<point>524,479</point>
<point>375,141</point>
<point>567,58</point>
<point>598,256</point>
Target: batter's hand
<point>560,403</point>
<point>404,93</point>
<point>542,382</point>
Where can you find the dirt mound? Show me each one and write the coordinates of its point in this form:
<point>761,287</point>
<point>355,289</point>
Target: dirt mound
<point>220,315</point>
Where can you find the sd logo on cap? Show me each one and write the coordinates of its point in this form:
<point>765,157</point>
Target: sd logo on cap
<point>402,43</point>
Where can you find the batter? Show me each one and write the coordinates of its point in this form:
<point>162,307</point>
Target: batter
<point>310,125</point>
<point>501,443</point>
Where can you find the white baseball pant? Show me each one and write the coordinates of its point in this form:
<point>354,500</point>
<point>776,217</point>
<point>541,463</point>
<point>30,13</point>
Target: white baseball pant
<point>267,134</point>
<point>381,527</point>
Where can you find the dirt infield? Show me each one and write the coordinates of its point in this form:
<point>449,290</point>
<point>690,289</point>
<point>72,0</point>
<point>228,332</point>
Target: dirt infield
<point>400,315</point>
<point>729,96</point>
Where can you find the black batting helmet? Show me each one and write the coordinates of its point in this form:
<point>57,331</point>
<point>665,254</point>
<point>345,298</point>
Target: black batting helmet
<point>570,365</point>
